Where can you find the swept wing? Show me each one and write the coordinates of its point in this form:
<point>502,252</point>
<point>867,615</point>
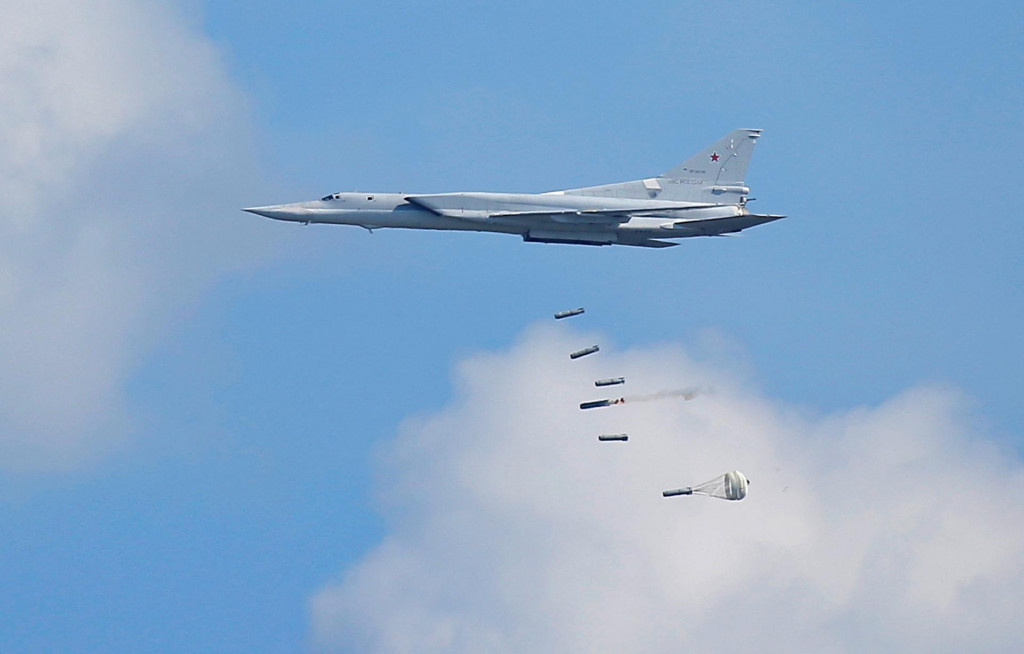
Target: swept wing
<point>479,206</point>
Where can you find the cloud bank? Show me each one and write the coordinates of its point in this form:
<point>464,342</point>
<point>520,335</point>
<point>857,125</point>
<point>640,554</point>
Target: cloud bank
<point>123,146</point>
<point>512,529</point>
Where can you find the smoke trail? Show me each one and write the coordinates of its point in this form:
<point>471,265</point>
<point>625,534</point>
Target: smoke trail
<point>686,394</point>
<point>683,394</point>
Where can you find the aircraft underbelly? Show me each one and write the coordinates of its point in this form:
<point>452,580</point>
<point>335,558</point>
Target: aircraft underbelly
<point>536,228</point>
<point>402,217</point>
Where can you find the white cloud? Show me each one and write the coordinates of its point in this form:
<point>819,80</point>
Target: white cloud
<point>124,144</point>
<point>513,529</point>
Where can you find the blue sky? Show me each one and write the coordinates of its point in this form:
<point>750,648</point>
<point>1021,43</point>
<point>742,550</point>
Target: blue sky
<point>203,406</point>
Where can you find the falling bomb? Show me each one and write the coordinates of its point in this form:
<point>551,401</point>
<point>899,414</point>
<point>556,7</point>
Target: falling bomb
<point>677,491</point>
<point>584,352</point>
<point>568,313</point>
<point>600,403</point>
<point>613,437</point>
<point>610,382</point>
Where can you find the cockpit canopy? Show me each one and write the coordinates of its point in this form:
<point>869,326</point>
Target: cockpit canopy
<point>332,196</point>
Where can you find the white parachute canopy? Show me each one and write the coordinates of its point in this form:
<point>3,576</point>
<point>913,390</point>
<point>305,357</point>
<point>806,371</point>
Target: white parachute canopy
<point>730,486</point>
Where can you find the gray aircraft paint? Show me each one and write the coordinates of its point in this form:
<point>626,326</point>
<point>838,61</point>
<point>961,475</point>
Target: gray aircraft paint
<point>569,313</point>
<point>703,196</point>
<point>584,352</point>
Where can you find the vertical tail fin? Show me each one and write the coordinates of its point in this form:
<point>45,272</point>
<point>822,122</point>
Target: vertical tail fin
<point>713,175</point>
<point>724,163</point>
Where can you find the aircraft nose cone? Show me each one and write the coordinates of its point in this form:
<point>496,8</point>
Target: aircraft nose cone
<point>277,212</point>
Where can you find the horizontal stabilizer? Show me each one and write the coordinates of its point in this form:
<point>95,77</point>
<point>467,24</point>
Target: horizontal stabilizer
<point>718,226</point>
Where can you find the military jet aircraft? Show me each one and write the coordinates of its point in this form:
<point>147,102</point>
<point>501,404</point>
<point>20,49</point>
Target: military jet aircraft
<point>703,196</point>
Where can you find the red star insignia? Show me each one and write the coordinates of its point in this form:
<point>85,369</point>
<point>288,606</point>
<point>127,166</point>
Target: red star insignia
<point>714,156</point>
